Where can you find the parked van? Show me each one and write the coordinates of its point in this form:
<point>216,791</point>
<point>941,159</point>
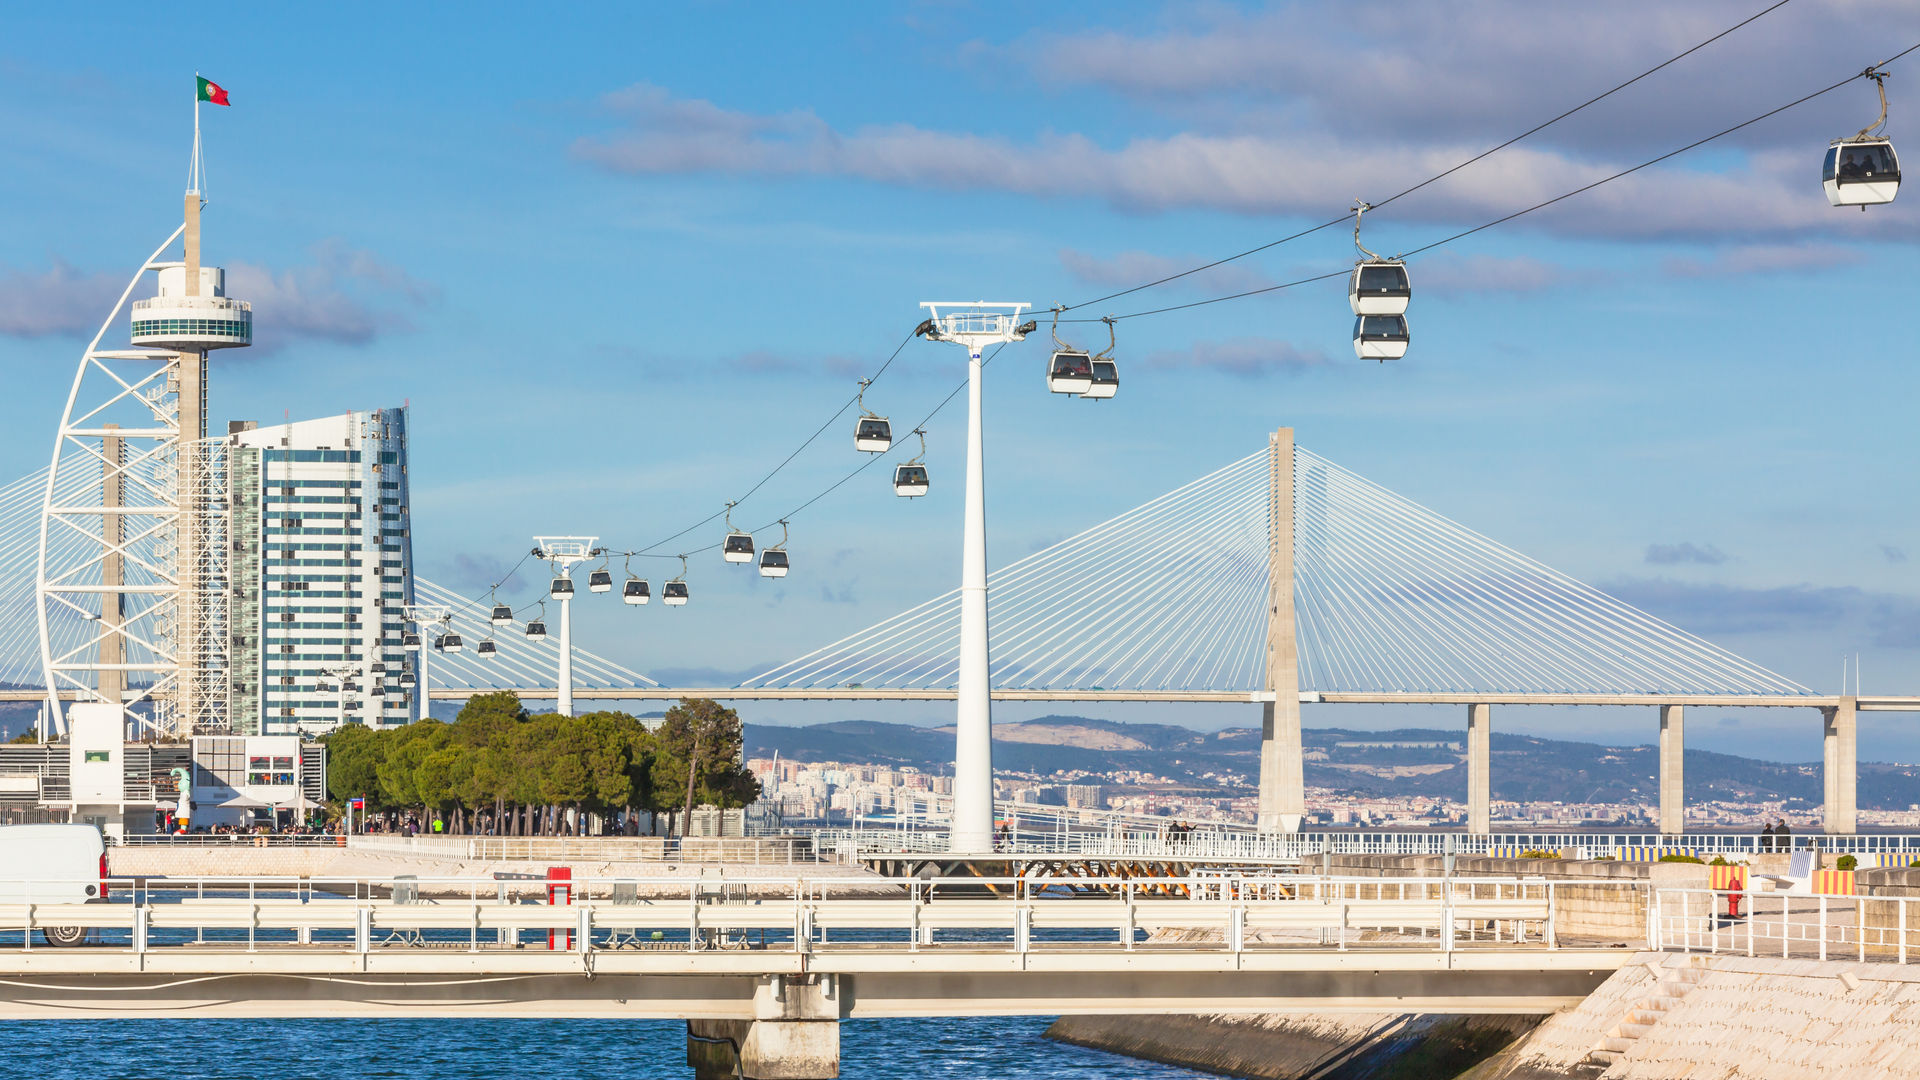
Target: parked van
<point>53,864</point>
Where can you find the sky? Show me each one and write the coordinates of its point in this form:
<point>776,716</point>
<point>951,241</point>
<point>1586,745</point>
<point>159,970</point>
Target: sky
<point>620,260</point>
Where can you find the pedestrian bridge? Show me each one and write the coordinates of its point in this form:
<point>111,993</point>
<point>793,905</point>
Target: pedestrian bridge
<point>800,949</point>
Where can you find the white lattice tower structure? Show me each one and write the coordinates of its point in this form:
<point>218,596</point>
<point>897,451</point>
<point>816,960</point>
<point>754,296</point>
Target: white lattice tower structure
<point>133,521</point>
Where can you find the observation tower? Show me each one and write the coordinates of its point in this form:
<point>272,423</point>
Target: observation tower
<point>130,571</point>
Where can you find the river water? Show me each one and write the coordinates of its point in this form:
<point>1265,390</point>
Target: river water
<point>942,1049</point>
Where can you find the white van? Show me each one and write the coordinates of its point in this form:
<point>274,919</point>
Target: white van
<point>53,864</point>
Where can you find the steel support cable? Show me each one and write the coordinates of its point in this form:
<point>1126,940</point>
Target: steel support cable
<point>1471,613</point>
<point>1375,605</point>
<point>809,665</point>
<point>1317,528</point>
<point>1464,625</point>
<point>1186,593</point>
<point>1121,584</point>
<point>1509,217</point>
<point>1536,129</point>
<point>587,663</point>
<point>1056,562</point>
<point>1647,629</point>
<point>1660,635</point>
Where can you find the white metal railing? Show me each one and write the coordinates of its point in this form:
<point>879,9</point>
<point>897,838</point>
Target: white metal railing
<point>1208,914</point>
<point>765,850</point>
<point>1785,924</point>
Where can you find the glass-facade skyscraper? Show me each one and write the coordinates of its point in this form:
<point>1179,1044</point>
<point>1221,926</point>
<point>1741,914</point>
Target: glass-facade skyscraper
<point>321,573</point>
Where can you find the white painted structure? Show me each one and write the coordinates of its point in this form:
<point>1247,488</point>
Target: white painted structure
<point>974,326</point>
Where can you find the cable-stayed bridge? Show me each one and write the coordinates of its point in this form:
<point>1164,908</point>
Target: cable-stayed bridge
<point>1277,579</point>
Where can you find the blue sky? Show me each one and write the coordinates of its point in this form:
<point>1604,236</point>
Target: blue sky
<point>620,260</point>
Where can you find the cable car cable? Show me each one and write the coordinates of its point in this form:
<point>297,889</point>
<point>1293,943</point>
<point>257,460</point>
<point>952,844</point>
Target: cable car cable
<point>1519,213</point>
<point>1442,175</point>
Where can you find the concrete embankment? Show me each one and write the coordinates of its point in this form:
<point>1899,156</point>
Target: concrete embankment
<point>1344,1047</point>
<point>1391,1047</point>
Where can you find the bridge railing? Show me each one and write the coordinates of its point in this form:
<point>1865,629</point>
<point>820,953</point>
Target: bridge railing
<point>1787,924</point>
<point>1208,913</point>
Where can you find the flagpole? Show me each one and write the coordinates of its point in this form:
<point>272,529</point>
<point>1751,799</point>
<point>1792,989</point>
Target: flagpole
<point>195,179</point>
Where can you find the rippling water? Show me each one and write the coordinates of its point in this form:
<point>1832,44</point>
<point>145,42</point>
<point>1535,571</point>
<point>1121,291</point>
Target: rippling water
<point>956,1049</point>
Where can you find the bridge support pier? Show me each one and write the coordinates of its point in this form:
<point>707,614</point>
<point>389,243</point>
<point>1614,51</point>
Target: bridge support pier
<point>1479,768</point>
<point>1673,793</point>
<point>794,1035</point>
<point>1840,766</point>
<point>1283,780</point>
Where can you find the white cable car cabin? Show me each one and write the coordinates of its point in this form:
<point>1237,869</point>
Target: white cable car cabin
<point>537,629</point>
<point>1379,287</point>
<point>674,594</point>
<point>1861,172</point>
<point>635,591</point>
<point>502,615</point>
<point>1070,372</point>
<point>738,548</point>
<point>909,481</point>
<point>450,643</point>
<point>600,581</point>
<point>1380,337</point>
<point>874,435</point>
<point>486,648</point>
<point>561,589</point>
<point>773,563</point>
<point>1105,382</point>
<point>377,690</point>
<point>410,642</point>
<point>406,678</point>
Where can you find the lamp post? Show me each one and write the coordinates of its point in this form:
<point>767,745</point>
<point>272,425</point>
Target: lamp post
<point>974,326</point>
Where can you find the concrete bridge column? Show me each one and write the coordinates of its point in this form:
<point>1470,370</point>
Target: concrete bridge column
<point>1283,781</point>
<point>1673,797</point>
<point>1840,772</point>
<point>1479,768</point>
<point>794,1034</point>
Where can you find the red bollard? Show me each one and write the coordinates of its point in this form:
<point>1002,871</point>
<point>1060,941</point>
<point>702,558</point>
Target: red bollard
<point>559,894</point>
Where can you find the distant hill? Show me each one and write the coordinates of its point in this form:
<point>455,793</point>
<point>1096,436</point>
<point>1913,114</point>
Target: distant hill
<point>1408,761</point>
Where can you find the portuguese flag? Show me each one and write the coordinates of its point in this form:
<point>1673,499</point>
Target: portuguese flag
<point>211,91</point>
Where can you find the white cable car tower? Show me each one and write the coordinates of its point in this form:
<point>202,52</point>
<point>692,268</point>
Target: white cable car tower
<point>566,552</point>
<point>139,561</point>
<point>974,326</point>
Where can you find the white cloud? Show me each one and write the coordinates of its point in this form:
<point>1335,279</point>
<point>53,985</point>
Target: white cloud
<point>344,295</point>
<point>1763,259</point>
<point>1287,172</point>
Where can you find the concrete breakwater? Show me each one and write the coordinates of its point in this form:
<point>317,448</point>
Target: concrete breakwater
<point>1274,1047</point>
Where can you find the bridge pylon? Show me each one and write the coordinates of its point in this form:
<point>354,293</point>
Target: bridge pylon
<point>1283,782</point>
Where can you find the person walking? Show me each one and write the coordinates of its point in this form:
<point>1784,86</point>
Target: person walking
<point>1782,836</point>
<point>1766,837</point>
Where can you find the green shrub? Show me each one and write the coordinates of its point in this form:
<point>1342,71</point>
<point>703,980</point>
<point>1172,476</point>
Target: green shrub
<point>1536,853</point>
<point>1680,858</point>
<point>1845,862</point>
<point>1719,860</point>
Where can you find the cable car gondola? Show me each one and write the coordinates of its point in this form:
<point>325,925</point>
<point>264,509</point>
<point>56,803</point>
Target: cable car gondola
<point>449,642</point>
<point>1380,337</point>
<point>561,588</point>
<point>1070,372</point>
<point>872,433</point>
<point>1378,286</point>
<point>1106,381</point>
<point>406,678</point>
<point>410,642</point>
<point>1104,374</point>
<point>377,690</point>
<point>674,593</point>
<point>537,628</point>
<point>739,545</point>
<point>485,648</point>
<point>773,561</point>
<point>502,615</point>
<point>1863,171</point>
<point>910,478</point>
<point>635,591</point>
<point>600,581</point>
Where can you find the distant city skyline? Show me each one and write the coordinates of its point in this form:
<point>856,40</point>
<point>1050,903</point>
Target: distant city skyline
<point>619,286</point>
